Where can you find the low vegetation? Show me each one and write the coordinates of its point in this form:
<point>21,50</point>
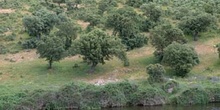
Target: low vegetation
<point>169,51</point>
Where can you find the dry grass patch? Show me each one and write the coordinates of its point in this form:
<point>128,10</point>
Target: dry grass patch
<point>83,24</point>
<point>6,11</point>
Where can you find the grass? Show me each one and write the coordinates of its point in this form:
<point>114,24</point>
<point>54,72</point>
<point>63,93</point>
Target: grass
<point>30,75</point>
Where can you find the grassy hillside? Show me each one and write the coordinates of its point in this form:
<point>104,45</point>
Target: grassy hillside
<point>21,71</point>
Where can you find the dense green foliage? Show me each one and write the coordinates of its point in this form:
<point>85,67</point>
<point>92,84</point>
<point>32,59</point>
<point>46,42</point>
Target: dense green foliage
<point>41,22</point>
<point>156,73</point>
<point>106,5</point>
<point>163,35</point>
<point>181,58</point>
<point>25,23</point>
<point>126,23</point>
<point>152,11</point>
<point>67,30</point>
<point>85,96</point>
<point>195,24</point>
<point>52,48</point>
<point>97,46</point>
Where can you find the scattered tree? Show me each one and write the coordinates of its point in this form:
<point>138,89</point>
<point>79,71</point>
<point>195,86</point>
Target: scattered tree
<point>126,24</point>
<point>52,48</point>
<point>180,57</point>
<point>163,35</point>
<point>97,46</point>
<point>105,5</point>
<point>41,22</point>
<point>33,25</point>
<point>156,73</point>
<point>152,11</point>
<point>193,25</point>
<point>69,31</point>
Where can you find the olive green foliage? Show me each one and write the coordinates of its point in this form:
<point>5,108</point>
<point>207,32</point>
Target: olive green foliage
<point>193,25</point>
<point>156,73</point>
<point>148,96</point>
<point>126,23</point>
<point>152,11</point>
<point>192,96</point>
<point>97,46</point>
<point>163,35</point>
<point>41,22</point>
<point>72,4</point>
<point>106,5</point>
<point>85,96</point>
<point>135,3</point>
<point>181,58</point>
<point>30,43</point>
<point>59,1</point>
<point>171,86</point>
<point>52,48</point>
<point>68,30</point>
<point>214,94</point>
<point>33,25</point>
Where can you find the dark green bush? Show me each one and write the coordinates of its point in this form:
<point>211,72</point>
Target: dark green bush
<point>156,73</point>
<point>135,41</point>
<point>181,58</point>
<point>147,96</point>
<point>191,96</point>
<point>30,43</point>
<point>3,49</point>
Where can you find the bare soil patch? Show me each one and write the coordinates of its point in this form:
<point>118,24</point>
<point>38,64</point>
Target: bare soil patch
<point>83,24</point>
<point>6,11</point>
<point>26,55</point>
<point>203,49</point>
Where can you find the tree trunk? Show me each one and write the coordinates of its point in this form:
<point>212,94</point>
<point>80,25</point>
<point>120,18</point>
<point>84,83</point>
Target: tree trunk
<point>50,63</point>
<point>114,33</point>
<point>195,36</point>
<point>92,68</point>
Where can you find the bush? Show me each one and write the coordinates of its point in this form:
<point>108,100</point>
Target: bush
<point>191,96</point>
<point>156,73</point>
<point>10,37</point>
<point>171,86</point>
<point>181,58</point>
<point>3,49</point>
<point>148,97</point>
<point>135,3</point>
<point>134,41</point>
<point>30,43</point>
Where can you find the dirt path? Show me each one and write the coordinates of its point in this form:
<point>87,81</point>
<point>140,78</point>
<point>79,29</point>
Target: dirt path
<point>6,11</point>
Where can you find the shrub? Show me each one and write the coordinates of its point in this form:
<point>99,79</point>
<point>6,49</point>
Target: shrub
<point>30,43</point>
<point>191,96</point>
<point>156,73</point>
<point>148,96</point>
<point>171,86</point>
<point>180,57</point>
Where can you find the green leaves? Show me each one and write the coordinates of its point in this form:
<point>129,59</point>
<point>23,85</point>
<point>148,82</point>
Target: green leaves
<point>193,25</point>
<point>163,35</point>
<point>126,24</point>
<point>180,57</point>
<point>97,46</point>
<point>51,48</point>
<point>41,22</point>
<point>156,73</point>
